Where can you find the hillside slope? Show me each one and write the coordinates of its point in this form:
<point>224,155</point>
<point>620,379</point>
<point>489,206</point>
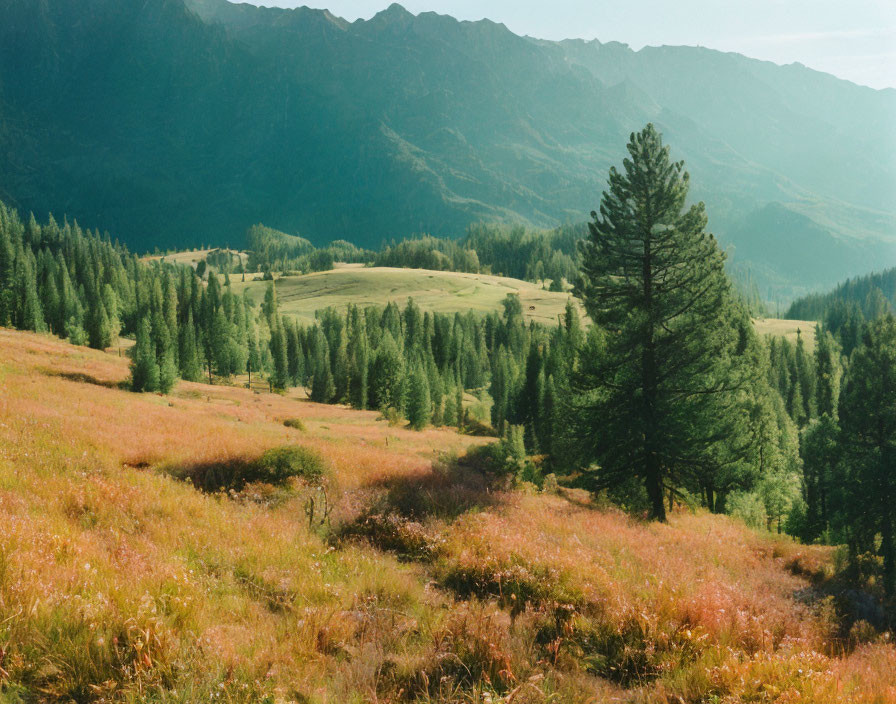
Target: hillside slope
<point>301,297</point>
<point>436,291</point>
<point>219,116</point>
<point>119,582</point>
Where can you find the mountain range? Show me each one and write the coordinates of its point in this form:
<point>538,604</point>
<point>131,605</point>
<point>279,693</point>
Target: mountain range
<point>172,123</point>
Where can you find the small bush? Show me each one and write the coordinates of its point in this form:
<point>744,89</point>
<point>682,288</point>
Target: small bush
<point>393,416</point>
<point>282,463</point>
<point>294,423</point>
<point>470,654</point>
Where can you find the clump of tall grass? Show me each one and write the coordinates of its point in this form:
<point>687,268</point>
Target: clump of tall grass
<point>294,423</point>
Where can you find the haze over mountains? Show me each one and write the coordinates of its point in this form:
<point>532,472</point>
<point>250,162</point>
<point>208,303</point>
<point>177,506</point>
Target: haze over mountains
<point>175,122</point>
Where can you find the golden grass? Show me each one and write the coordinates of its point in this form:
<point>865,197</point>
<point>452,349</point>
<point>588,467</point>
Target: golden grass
<point>788,329</point>
<point>120,583</point>
<point>437,291</point>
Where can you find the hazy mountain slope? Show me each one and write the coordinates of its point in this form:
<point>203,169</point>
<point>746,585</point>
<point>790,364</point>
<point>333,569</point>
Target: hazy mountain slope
<point>871,294</point>
<point>177,126</point>
<point>781,246</point>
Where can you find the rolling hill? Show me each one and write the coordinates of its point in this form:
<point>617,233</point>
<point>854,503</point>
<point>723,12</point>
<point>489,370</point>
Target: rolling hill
<point>182,122</point>
<point>124,578</point>
<point>301,297</point>
<point>436,291</point>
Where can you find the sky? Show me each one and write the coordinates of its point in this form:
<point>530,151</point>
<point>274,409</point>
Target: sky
<point>852,39</point>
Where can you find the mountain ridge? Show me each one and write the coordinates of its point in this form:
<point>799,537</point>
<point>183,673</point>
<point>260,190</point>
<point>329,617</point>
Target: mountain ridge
<point>224,115</point>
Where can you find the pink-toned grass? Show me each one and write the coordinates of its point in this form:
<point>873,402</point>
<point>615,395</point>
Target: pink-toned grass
<point>118,583</point>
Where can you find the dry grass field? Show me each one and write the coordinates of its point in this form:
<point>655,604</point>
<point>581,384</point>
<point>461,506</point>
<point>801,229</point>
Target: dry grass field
<point>437,291</point>
<point>788,329</point>
<point>190,257</point>
<point>121,583</point>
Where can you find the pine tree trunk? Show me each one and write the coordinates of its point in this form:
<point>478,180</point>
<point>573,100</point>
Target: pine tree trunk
<point>653,478</point>
<point>654,482</point>
<point>710,499</point>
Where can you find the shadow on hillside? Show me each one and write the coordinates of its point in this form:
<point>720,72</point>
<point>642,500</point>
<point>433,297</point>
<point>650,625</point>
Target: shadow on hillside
<point>211,477</point>
<point>452,487</point>
<point>853,600</point>
<point>82,378</point>
<point>399,520</point>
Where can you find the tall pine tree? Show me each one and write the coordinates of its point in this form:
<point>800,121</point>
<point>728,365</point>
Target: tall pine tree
<point>659,401</point>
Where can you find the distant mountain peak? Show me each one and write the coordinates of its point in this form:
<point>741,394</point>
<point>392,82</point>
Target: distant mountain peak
<point>394,12</point>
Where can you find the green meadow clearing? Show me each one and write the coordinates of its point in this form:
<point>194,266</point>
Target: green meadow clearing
<point>437,291</point>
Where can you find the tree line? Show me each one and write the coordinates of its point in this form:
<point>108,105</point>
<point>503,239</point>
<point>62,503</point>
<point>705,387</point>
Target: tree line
<point>514,251</point>
<point>271,250</point>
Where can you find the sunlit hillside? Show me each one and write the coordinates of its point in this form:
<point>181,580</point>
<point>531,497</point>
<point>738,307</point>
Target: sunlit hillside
<point>403,571</point>
<point>436,291</point>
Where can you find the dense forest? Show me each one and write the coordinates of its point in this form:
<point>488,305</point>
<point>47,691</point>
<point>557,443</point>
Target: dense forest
<point>668,398</point>
<point>845,309</point>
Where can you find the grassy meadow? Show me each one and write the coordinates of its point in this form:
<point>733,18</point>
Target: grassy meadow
<point>301,297</point>
<point>437,291</point>
<point>788,329</point>
<point>191,257</point>
<point>429,581</point>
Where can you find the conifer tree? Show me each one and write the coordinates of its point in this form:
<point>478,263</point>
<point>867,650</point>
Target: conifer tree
<point>436,387</point>
<point>501,389</point>
<point>820,451</point>
<point>167,369</point>
<point>828,372</point>
<point>98,328</point>
<point>419,405</point>
<point>386,375</point>
<point>460,411</point>
<point>868,420</point>
<point>294,353</point>
<point>360,367</point>
<point>31,316</point>
<point>189,357</point>
<point>280,375</point>
<point>323,389</point>
<point>548,428</point>
<point>449,415</point>
<point>805,374</point>
<point>113,313</point>
<point>144,367</point>
<point>341,370</point>
<point>269,307</point>
<point>658,402</point>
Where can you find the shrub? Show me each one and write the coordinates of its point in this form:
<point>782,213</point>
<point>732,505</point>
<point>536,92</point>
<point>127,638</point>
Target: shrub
<point>393,416</point>
<point>282,463</point>
<point>295,423</point>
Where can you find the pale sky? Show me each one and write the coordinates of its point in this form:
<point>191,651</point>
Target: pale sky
<point>852,39</point>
